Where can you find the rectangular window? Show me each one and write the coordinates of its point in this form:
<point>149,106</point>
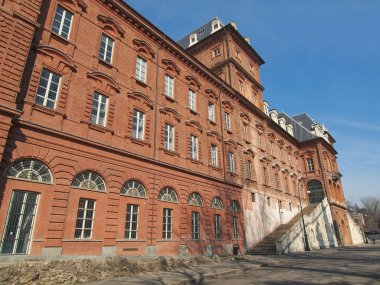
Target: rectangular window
<point>254,98</point>
<point>214,155</point>
<point>228,121</point>
<point>253,197</point>
<point>19,223</point>
<point>216,52</point>
<point>85,219</point>
<point>245,132</point>
<point>131,221</point>
<point>169,137</point>
<point>276,181</point>
<point>141,69</point>
<point>106,48</point>
<point>193,147</point>
<point>241,86</point>
<point>249,169</point>
<point>310,164</point>
<point>62,22</point>
<point>231,162</point>
<point>138,124</point>
<point>218,227</point>
<point>192,100</point>
<point>211,112</point>
<point>169,86</point>
<point>48,87</point>
<point>99,109</point>
<point>167,223</point>
<point>265,176</point>
<point>195,226</point>
<point>236,227</point>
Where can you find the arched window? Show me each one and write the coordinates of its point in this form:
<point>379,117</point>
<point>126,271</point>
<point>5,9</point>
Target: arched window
<point>30,169</point>
<point>89,180</point>
<point>195,200</point>
<point>235,206</point>
<point>168,195</point>
<point>315,191</point>
<point>217,203</point>
<point>133,188</point>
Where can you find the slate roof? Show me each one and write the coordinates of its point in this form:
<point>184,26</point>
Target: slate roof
<point>301,126</point>
<point>206,31</point>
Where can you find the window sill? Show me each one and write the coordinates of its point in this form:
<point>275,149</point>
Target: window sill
<point>195,161</point>
<point>82,240</point>
<point>193,111</point>
<point>138,141</point>
<point>105,63</point>
<point>250,180</point>
<point>170,99</point>
<point>229,131</point>
<point>247,141</point>
<point>216,168</point>
<point>167,240</point>
<point>212,122</point>
<point>48,111</point>
<point>98,127</point>
<point>169,152</point>
<point>233,174</point>
<point>60,38</point>
<point>141,83</point>
<point>130,240</point>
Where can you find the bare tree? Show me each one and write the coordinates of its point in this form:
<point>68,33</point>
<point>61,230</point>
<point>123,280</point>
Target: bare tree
<point>371,205</point>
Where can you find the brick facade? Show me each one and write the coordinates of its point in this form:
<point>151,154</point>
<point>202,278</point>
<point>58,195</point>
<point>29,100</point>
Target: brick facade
<point>67,140</point>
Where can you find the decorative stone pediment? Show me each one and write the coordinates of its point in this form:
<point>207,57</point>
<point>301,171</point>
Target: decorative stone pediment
<point>171,65</point>
<point>110,23</point>
<point>212,95</point>
<point>170,111</point>
<point>57,57</point>
<point>141,97</point>
<point>142,46</point>
<point>194,124</point>
<point>214,134</point>
<point>104,80</point>
<point>193,81</point>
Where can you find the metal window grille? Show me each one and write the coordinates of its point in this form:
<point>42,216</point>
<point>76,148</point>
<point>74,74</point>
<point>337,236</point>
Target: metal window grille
<point>218,227</point>
<point>19,224</point>
<point>236,227</point>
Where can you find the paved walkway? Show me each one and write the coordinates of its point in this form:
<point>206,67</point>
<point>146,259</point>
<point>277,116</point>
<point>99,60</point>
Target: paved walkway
<point>354,265</point>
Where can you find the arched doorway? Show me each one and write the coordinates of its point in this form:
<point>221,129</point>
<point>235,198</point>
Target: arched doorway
<point>315,191</point>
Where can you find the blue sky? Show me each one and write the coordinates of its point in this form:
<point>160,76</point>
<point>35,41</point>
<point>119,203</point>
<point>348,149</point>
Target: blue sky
<point>322,57</point>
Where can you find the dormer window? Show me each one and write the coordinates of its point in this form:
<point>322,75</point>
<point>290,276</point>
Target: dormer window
<point>193,39</point>
<point>215,25</point>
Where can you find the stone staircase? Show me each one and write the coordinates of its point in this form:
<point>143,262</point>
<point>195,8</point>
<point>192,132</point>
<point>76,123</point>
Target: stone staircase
<point>268,245</point>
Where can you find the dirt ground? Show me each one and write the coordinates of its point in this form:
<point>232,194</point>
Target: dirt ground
<point>86,270</point>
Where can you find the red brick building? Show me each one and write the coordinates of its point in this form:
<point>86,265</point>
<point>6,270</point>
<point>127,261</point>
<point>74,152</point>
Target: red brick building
<point>117,140</point>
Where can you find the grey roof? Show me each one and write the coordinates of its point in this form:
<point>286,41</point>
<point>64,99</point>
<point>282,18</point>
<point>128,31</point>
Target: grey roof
<point>301,126</point>
<point>202,32</point>
<point>305,120</point>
